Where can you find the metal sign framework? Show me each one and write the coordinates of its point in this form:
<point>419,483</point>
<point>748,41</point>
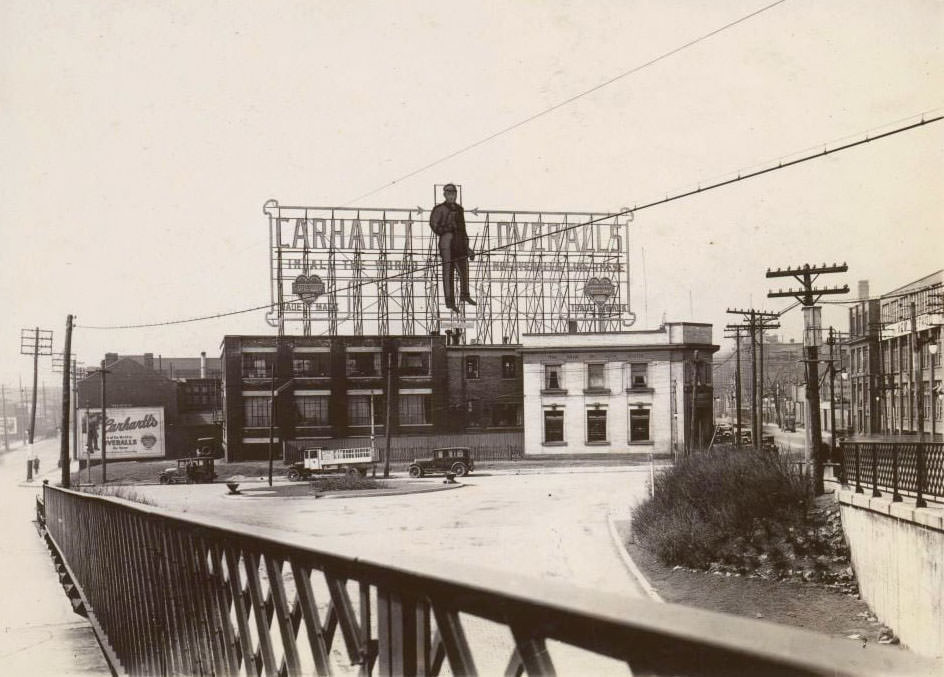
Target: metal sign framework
<point>378,271</point>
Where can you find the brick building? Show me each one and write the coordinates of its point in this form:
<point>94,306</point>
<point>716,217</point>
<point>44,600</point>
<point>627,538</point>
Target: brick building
<point>905,398</point>
<point>333,392</point>
<point>636,392</point>
<point>191,404</point>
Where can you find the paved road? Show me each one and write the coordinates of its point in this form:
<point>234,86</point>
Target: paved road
<point>549,525</point>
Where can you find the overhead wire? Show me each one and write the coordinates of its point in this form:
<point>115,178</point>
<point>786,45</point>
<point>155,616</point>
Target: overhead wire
<point>636,208</point>
<point>568,101</point>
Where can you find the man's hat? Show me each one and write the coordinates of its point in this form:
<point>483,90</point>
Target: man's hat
<point>449,186</point>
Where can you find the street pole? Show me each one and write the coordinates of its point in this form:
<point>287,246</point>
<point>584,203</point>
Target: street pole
<point>3,399</point>
<point>808,296</point>
<point>64,460</point>
<point>389,405</point>
<point>737,386</point>
<point>104,426</point>
<point>832,397</point>
<point>753,330</point>
<point>933,350</point>
<point>32,428</point>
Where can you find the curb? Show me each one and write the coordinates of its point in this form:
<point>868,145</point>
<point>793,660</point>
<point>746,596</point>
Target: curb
<point>367,493</point>
<point>630,564</point>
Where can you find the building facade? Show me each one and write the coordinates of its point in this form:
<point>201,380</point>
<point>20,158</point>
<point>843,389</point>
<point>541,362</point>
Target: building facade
<point>624,392</point>
<point>865,367</point>
<point>334,391</point>
<point>908,372</point>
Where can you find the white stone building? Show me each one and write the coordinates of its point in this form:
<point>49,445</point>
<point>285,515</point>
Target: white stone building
<point>618,392</point>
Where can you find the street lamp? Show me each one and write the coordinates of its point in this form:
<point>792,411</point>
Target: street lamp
<point>843,377</point>
<point>932,349</point>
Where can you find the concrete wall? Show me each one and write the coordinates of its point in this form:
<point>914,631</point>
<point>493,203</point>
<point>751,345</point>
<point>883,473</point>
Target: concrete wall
<point>898,557</point>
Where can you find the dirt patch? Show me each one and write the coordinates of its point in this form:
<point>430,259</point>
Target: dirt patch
<point>805,605</point>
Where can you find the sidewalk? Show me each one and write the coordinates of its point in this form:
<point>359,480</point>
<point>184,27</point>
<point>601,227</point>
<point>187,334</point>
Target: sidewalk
<point>40,633</point>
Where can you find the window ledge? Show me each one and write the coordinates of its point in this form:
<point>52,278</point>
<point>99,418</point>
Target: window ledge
<point>641,389</point>
<point>416,425</point>
<point>596,391</point>
<point>604,443</point>
<point>642,443</point>
<point>553,444</point>
<point>554,391</point>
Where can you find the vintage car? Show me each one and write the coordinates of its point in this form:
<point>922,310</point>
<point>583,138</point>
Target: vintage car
<point>320,461</point>
<point>195,470</point>
<point>455,460</point>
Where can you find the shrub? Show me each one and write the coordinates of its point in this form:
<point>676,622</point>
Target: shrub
<point>717,507</point>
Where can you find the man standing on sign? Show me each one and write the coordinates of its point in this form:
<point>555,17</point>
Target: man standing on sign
<point>448,222</point>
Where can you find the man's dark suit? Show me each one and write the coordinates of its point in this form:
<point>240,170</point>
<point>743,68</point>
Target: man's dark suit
<point>448,221</point>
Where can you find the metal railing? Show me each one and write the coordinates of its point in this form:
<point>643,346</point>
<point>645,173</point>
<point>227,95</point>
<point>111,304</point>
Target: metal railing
<point>903,467</point>
<point>176,595</point>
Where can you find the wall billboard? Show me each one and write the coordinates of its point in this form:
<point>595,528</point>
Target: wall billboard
<point>130,432</point>
<point>342,270</point>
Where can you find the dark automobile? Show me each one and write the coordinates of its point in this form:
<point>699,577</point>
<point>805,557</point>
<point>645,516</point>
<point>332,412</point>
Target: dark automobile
<point>456,460</point>
<point>195,470</point>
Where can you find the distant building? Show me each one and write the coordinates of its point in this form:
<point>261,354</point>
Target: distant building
<point>641,392</point>
<point>864,368</point>
<point>191,404</point>
<point>909,401</point>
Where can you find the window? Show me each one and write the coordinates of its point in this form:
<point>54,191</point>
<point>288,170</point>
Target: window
<point>638,425</point>
<point>358,409</point>
<point>553,426</point>
<point>363,364</point>
<point>312,410</point>
<point>638,375</point>
<point>472,367</point>
<point>311,365</point>
<point>509,366</point>
<point>257,411</point>
<point>416,409</point>
<point>506,414</point>
<point>596,425</point>
<point>197,395</point>
<point>596,376</point>
<point>258,365</point>
<point>552,377</point>
<point>414,363</point>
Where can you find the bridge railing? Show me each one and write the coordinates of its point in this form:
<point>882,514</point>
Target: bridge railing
<point>906,467</point>
<point>172,594</point>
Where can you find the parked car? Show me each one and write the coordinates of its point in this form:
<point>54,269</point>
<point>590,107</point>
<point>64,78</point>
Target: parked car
<point>196,470</point>
<point>457,460</point>
<point>789,424</point>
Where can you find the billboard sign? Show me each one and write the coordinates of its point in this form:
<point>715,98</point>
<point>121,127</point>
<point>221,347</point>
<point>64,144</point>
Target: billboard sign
<point>130,432</point>
<point>343,270</point>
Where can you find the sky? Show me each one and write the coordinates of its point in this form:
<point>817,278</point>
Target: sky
<point>141,140</point>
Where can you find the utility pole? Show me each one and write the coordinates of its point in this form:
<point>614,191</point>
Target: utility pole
<point>64,459</point>
<point>35,342</point>
<point>3,403</point>
<point>756,320</point>
<point>808,297</point>
<point>737,383</point>
<point>391,357</point>
<point>101,372</point>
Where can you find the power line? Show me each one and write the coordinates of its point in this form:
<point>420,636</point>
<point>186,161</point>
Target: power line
<point>565,102</point>
<point>636,208</point>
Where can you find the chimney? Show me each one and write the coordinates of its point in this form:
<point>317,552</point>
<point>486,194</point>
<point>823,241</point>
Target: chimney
<point>203,364</point>
<point>149,360</point>
<point>110,358</point>
<point>863,290</point>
